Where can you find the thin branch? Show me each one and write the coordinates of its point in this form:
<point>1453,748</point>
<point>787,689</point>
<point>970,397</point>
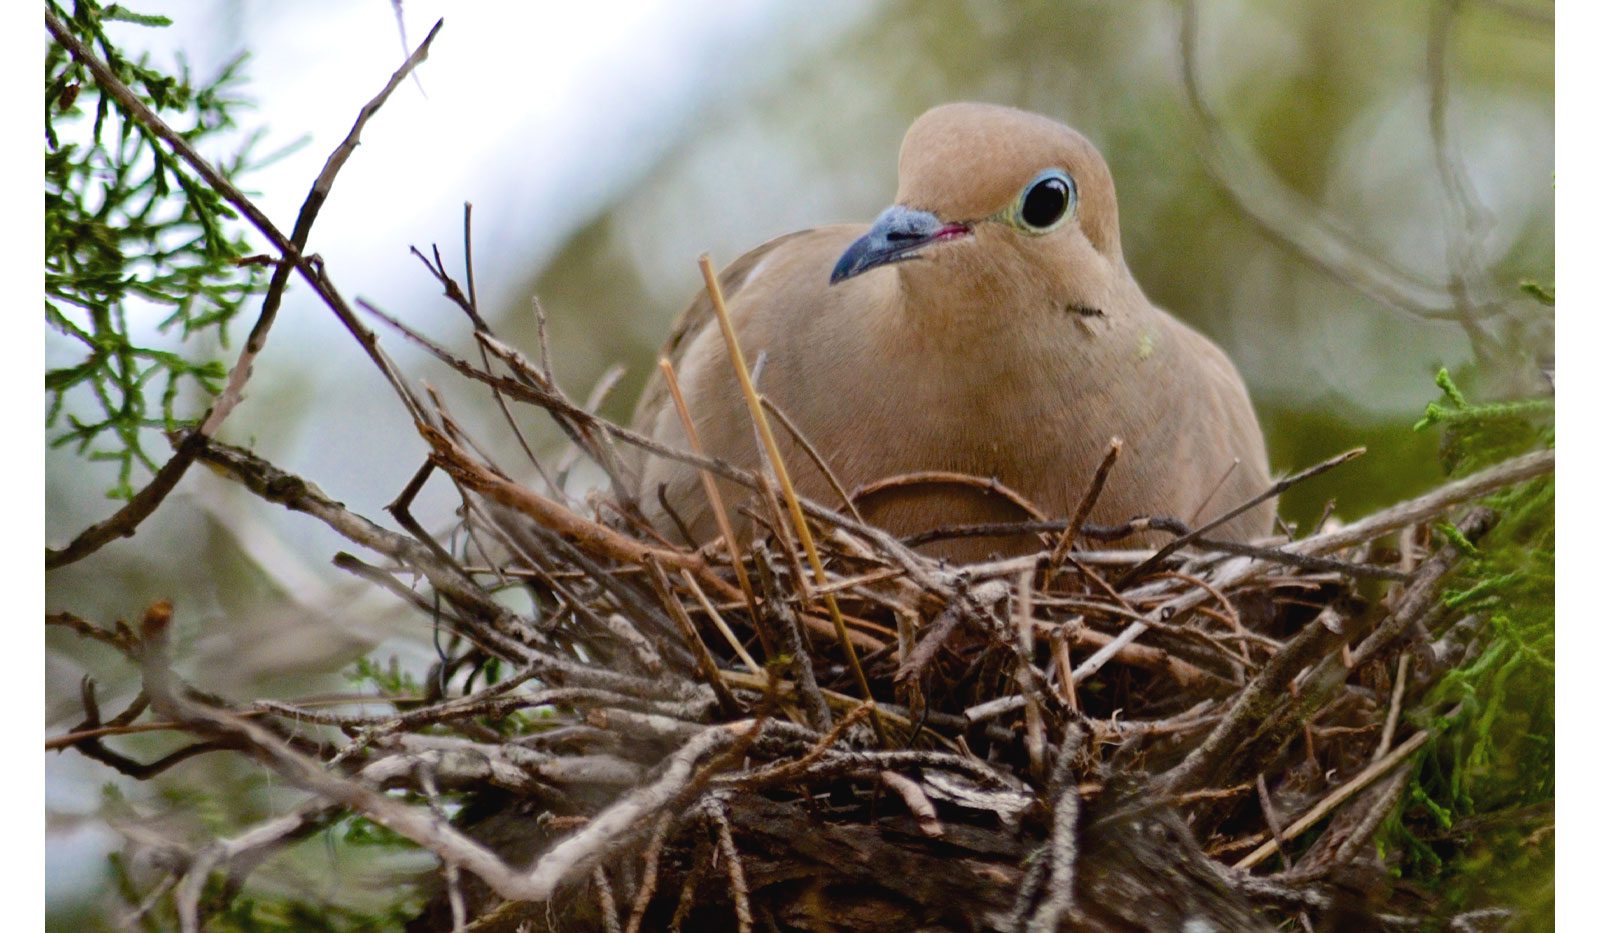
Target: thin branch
<point>713,495</point>
<point>1265,495</point>
<point>647,884</point>
<point>309,208</point>
<point>421,827</point>
<point>1418,598</point>
<point>735,867</point>
<point>817,459</point>
<point>1344,792</point>
<point>1081,513</point>
<point>608,900</point>
<point>1173,526</point>
<point>1021,639</point>
<point>1290,219</point>
<point>625,817</point>
<point>703,659</point>
<point>1255,703</point>
<point>1428,505</point>
<point>1396,695</point>
<point>127,519</point>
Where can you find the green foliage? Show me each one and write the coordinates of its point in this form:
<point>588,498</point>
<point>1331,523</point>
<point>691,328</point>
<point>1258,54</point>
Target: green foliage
<point>390,681</point>
<point>1546,295</point>
<point>1476,436</point>
<point>252,911</point>
<point>249,914</point>
<point>351,841</point>
<point>357,830</point>
<point>1487,783</point>
<point>130,228</point>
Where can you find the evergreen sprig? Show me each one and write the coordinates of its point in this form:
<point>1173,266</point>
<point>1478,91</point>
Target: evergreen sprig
<point>128,228</point>
<point>1488,779</point>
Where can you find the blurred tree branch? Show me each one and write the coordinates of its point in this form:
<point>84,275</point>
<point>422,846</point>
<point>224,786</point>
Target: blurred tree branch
<point>1304,228</point>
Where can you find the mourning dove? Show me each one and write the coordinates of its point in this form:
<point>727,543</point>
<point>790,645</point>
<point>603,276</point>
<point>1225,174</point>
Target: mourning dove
<point>985,324</point>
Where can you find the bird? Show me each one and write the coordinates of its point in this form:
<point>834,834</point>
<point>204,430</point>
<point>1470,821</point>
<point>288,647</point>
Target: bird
<point>967,358</point>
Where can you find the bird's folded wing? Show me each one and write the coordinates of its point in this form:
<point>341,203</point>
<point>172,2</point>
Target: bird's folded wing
<point>695,318</point>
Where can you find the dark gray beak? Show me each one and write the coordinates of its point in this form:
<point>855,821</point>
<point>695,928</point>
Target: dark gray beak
<point>898,234</point>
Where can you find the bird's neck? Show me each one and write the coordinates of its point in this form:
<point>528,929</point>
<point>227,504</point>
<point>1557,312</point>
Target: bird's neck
<point>961,306</point>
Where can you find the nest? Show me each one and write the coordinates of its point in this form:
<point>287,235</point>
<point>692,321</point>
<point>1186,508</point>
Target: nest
<point>836,732</point>
<point>833,731</point>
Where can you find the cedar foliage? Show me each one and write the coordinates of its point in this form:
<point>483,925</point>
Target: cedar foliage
<point>131,229</point>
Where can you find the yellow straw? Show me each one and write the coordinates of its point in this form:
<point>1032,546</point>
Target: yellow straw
<point>758,415</point>
<point>718,511</point>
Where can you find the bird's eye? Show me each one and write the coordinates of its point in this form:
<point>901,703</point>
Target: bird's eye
<point>1045,202</point>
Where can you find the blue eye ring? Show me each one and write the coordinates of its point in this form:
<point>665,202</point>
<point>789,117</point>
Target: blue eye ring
<point>1044,203</point>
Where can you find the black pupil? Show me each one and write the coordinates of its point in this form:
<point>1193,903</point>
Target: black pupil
<point>1045,203</point>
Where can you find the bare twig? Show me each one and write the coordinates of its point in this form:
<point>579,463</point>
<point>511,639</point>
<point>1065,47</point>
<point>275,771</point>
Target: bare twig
<point>735,868</point>
<point>1022,639</point>
<point>1510,472</point>
<point>713,495</point>
<point>817,459</point>
<point>1265,495</point>
<point>647,883</point>
<point>1060,858</point>
<point>1344,792</point>
<point>1081,513</point>
<point>691,637</point>
<point>1132,558</point>
<point>1392,720</point>
<point>1255,702</point>
<point>320,189</point>
<point>625,817</point>
<point>1418,598</point>
<point>127,519</point>
<point>916,801</point>
<point>778,774</point>
<point>989,484</point>
<point>607,898</point>
<point>424,829</point>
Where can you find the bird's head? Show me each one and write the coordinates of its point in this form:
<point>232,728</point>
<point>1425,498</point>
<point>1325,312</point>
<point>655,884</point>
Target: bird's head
<point>992,199</point>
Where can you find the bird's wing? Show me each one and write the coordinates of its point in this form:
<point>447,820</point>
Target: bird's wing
<point>695,318</point>
<point>1219,426</point>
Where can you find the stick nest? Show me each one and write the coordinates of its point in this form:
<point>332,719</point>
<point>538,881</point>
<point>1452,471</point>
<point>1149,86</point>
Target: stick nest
<point>1203,737</point>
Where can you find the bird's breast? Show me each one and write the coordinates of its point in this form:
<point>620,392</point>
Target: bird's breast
<point>1024,412</point>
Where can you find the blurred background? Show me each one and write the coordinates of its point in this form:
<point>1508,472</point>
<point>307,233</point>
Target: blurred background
<point>605,145</point>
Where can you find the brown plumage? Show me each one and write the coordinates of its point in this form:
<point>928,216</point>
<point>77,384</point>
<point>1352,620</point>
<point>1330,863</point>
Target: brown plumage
<point>987,325</point>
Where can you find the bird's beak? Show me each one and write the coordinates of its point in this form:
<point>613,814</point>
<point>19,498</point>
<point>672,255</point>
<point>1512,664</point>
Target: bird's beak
<point>899,233</point>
